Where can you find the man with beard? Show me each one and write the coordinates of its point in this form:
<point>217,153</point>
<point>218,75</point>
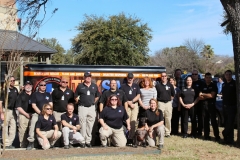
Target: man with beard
<point>113,90</point>
<point>24,107</point>
<point>38,99</point>
<point>11,114</point>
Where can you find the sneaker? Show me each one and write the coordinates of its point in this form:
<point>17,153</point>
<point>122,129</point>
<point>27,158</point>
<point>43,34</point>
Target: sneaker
<point>10,147</point>
<point>144,145</point>
<point>52,147</point>
<point>160,146</point>
<point>82,145</point>
<point>30,146</point>
<point>185,136</point>
<point>168,136</point>
<point>134,146</point>
<point>208,138</point>
<point>88,145</point>
<point>71,146</point>
<point>104,146</point>
<point>66,147</point>
<point>129,142</point>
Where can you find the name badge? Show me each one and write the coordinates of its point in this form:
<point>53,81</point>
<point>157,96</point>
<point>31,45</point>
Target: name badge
<point>166,87</point>
<point>88,93</point>
<point>130,92</point>
<point>62,98</point>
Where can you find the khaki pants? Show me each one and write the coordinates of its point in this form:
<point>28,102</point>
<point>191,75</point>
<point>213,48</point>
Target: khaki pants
<point>166,108</point>
<point>57,116</point>
<point>32,131</point>
<point>10,133</point>
<point>23,130</point>
<point>157,132</point>
<point>117,136</point>
<point>133,114</point>
<point>69,135</point>
<point>87,116</point>
<point>48,135</point>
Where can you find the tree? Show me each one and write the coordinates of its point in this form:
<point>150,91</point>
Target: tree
<point>59,57</point>
<point>232,8</point>
<point>118,40</point>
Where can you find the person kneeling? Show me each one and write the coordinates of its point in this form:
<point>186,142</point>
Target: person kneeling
<point>111,120</point>
<point>70,122</point>
<point>154,124</point>
<point>44,128</point>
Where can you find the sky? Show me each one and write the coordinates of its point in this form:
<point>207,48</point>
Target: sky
<point>172,21</point>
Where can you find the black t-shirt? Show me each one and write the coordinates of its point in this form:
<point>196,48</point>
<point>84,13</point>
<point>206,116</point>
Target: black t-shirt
<point>40,99</point>
<point>229,93</point>
<point>120,94</point>
<point>61,99</point>
<point>45,124</point>
<point>114,117</point>
<point>208,89</point>
<point>24,101</point>
<point>187,95</point>
<point>152,118</point>
<point>74,120</point>
<point>86,94</point>
<point>165,92</point>
<point>12,97</point>
<point>131,91</point>
<point>196,85</point>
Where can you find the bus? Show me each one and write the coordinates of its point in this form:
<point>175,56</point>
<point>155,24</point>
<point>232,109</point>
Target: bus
<point>101,74</point>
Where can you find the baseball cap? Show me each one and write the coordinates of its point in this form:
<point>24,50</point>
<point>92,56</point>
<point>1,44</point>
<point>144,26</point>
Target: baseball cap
<point>27,82</point>
<point>130,75</point>
<point>87,74</point>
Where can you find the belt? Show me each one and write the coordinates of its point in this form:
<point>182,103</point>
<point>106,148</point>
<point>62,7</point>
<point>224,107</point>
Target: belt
<point>164,101</point>
<point>86,106</point>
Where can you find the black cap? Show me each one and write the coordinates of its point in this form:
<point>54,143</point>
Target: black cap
<point>130,75</point>
<point>27,82</point>
<point>87,74</point>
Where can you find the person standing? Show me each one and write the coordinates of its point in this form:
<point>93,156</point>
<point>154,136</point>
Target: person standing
<point>180,83</point>
<point>132,91</point>
<point>196,85</point>
<point>219,85</point>
<point>187,101</point>
<point>113,90</point>
<point>70,122</point>
<point>229,96</point>
<point>148,91</point>
<point>165,94</point>
<point>38,99</point>
<point>46,128</point>
<point>207,95</point>
<point>176,108</point>
<point>111,120</point>
<point>88,95</point>
<point>11,114</point>
<point>61,96</point>
<point>24,107</point>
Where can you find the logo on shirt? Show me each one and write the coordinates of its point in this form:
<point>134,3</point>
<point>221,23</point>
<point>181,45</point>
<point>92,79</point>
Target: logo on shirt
<point>185,90</point>
<point>74,119</point>
<point>92,87</point>
<point>119,111</point>
<point>83,88</point>
<point>204,88</point>
<point>50,120</point>
<point>47,98</point>
<point>192,90</point>
<point>67,93</point>
<point>15,90</point>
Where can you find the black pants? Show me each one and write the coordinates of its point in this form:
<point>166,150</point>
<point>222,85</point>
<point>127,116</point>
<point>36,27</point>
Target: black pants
<point>229,113</point>
<point>198,117</point>
<point>186,113</point>
<point>175,121</point>
<point>209,113</point>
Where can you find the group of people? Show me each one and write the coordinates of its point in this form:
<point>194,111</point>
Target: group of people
<point>50,117</point>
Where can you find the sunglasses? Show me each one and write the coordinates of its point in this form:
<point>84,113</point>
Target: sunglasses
<point>194,74</point>
<point>64,82</point>
<point>48,108</point>
<point>114,99</point>
<point>42,84</point>
<point>12,81</point>
<point>164,76</point>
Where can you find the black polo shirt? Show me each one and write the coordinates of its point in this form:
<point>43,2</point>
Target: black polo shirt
<point>164,92</point>
<point>114,118</point>
<point>24,101</point>
<point>187,95</point>
<point>74,120</point>
<point>86,94</point>
<point>120,94</point>
<point>46,124</point>
<point>61,99</point>
<point>12,97</point>
<point>131,91</point>
<point>196,85</point>
<point>152,118</point>
<point>40,99</point>
<point>229,93</point>
<point>208,89</point>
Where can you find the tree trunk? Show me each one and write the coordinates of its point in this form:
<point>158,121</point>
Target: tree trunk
<point>232,7</point>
